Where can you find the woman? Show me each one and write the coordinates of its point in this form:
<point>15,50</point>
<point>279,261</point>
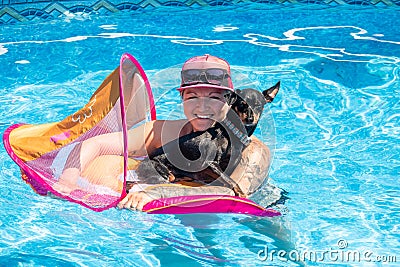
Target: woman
<point>206,83</point>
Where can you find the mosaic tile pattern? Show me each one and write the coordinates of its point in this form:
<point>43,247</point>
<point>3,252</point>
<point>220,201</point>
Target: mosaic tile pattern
<point>14,11</point>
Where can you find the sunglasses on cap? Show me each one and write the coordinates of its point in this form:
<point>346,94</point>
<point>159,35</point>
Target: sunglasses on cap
<point>213,76</point>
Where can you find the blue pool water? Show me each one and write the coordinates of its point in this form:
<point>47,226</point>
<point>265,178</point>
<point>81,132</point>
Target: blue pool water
<point>335,135</point>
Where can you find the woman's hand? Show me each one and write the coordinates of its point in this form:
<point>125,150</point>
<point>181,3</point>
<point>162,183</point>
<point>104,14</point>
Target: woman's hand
<point>135,200</point>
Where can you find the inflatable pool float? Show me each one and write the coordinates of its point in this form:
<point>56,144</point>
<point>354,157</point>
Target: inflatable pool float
<point>124,100</point>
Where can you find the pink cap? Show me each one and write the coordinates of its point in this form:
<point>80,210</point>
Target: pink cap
<point>203,63</point>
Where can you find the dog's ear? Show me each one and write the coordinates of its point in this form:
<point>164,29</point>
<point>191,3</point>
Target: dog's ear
<point>270,93</point>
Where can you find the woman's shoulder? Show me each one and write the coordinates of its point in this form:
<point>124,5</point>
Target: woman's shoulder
<point>256,149</point>
<point>257,142</point>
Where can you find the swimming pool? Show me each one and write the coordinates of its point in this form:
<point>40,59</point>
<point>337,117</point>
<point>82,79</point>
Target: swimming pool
<point>336,146</point>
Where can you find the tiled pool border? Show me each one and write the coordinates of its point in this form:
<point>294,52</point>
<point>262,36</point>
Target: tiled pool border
<point>14,11</point>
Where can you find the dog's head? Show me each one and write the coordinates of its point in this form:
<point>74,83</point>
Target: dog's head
<point>249,105</point>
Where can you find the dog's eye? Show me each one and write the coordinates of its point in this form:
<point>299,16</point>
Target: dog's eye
<point>242,106</point>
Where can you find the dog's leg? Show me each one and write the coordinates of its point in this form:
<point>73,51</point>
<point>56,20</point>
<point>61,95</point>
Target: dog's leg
<point>225,179</point>
<point>153,172</point>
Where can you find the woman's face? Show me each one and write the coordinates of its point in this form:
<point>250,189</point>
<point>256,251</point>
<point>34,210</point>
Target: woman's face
<point>204,106</point>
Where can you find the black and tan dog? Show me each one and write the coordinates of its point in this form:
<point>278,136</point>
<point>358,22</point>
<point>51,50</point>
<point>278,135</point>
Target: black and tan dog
<point>249,105</point>
<point>209,157</point>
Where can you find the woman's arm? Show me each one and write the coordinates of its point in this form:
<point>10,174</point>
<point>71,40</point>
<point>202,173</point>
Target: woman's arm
<point>136,200</point>
<point>252,170</point>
